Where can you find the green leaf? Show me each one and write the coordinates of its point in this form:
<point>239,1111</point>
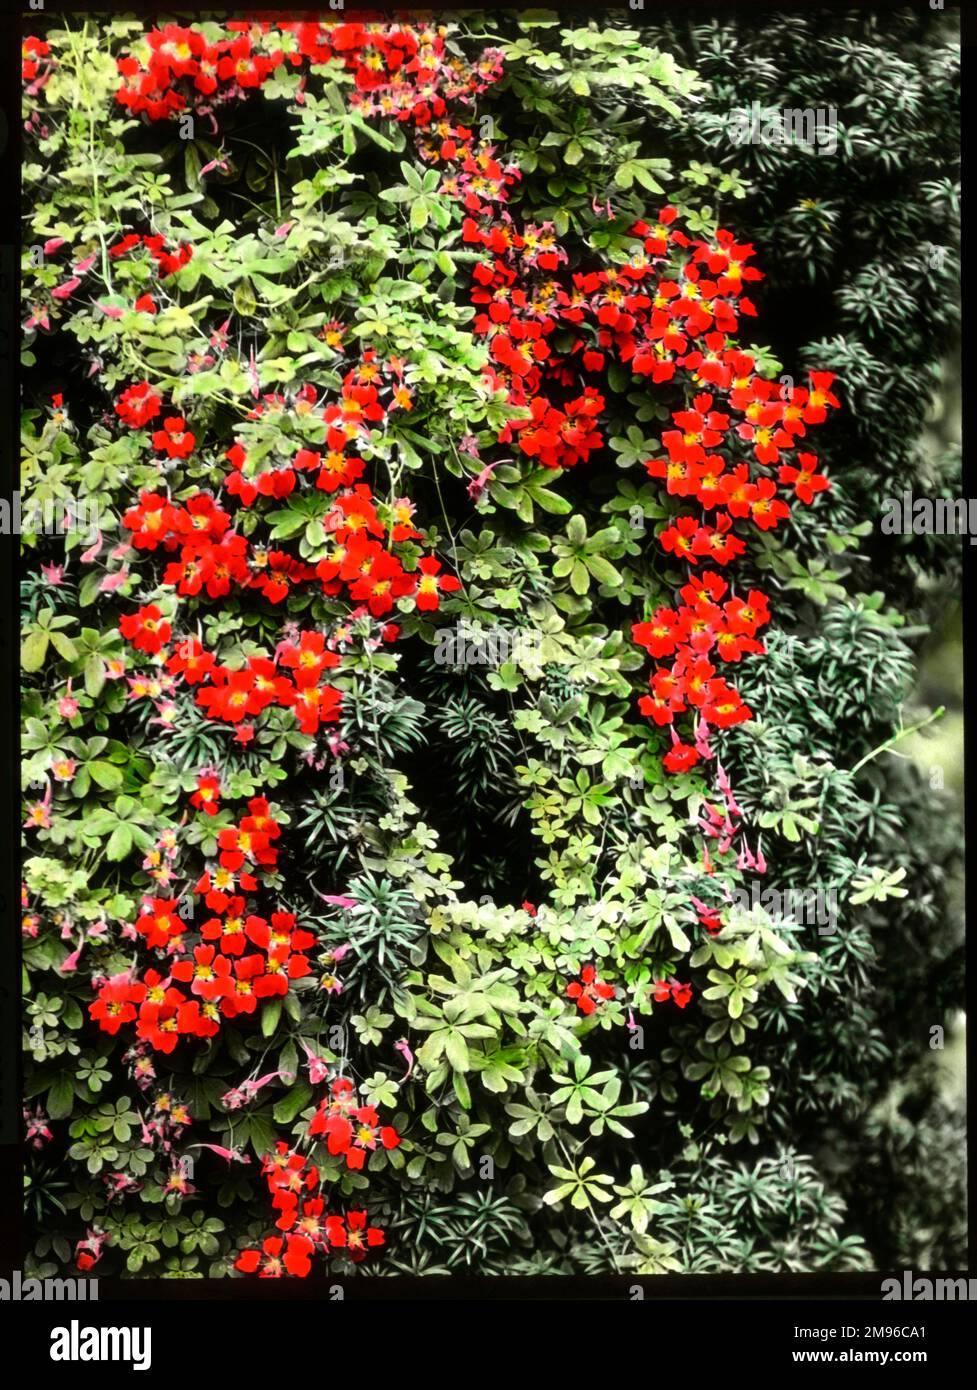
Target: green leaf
<point>548,500</point>
<point>602,570</point>
<point>577,530</point>
<point>33,651</point>
<point>292,1103</point>
<point>270,1015</point>
<point>624,175</point>
<point>579,582</point>
<point>120,843</point>
<point>60,1098</point>
<point>461,1090</point>
<point>106,775</point>
<point>94,675</point>
<point>456,1051</point>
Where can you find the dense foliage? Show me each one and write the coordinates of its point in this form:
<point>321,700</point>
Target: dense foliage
<point>449,525</point>
<point>865,283</point>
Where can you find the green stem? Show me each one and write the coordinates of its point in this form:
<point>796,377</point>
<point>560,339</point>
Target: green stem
<point>903,733</point>
<point>591,1212</point>
<point>444,512</point>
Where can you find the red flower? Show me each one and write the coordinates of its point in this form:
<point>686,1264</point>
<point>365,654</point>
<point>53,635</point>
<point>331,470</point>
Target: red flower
<point>765,432</point>
<point>158,1012</point>
<point>128,243</point>
<point>657,636</point>
<point>707,587</point>
<point>747,615</point>
<point>661,710</point>
<point>280,572</point>
<point>153,522</point>
<point>229,931</point>
<point>269,1263</point>
<point>239,984</point>
<point>290,1179</point>
<point>203,565</point>
<point>228,697</point>
<point>309,659</point>
<point>306,1219</point>
<point>767,510</point>
<point>820,397</point>
<point>207,796</point>
<point>677,539</point>
<point>739,491</point>
<point>202,975</point>
<point>698,429</point>
<point>159,921</point>
<point>145,629</point>
<point>191,661</point>
<point>350,1130</point>
<point>315,705</point>
<point>723,706</point>
<point>681,475</point>
<point>806,480</point>
<point>385,581</point>
<point>114,1006</point>
<point>173,439</point>
<point>680,758</point>
<point>718,542</point>
<point>356,1236</point>
<point>709,918</point>
<point>204,519</point>
<point>672,989</point>
<point>238,844</point>
<point>32,51</point>
<point>588,991</point>
<point>138,405</point>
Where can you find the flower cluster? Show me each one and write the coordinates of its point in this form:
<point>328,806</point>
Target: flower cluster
<point>237,695</point>
<point>696,471</point>
<point>241,958</point>
<point>182,70</point>
<point>674,307</point>
<point>670,313</point>
<point>405,72</point>
<point>210,562</point>
<point>705,624</point>
<point>167,261</point>
<point>33,52</point>
<point>294,1186</point>
<point>217,982</point>
<point>588,992</point>
<point>236,961</point>
<point>350,1129</point>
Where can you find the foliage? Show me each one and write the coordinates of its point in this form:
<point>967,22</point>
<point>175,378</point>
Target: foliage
<point>478,1076</point>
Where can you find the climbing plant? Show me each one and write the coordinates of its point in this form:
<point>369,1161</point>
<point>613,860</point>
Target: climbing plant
<point>452,614</point>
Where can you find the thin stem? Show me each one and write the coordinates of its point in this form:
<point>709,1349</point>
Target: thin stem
<point>592,1213</point>
<point>897,737</point>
